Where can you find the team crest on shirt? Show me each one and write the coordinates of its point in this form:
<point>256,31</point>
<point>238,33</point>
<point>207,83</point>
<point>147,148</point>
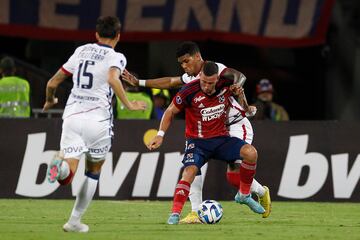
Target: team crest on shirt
<point>221,99</point>
<point>122,63</point>
<point>178,99</point>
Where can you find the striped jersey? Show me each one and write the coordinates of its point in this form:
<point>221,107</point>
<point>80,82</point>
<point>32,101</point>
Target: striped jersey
<point>205,116</point>
<point>236,112</point>
<point>91,95</point>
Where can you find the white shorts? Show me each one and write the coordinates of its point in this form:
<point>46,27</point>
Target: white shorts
<point>242,130</point>
<point>83,135</point>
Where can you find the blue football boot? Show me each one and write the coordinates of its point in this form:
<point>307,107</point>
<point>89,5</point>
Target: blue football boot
<point>250,202</point>
<point>174,219</point>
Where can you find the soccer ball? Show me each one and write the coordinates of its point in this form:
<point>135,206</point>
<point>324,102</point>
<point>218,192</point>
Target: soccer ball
<point>210,212</point>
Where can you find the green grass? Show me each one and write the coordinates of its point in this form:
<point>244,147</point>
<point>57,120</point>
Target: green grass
<point>43,219</point>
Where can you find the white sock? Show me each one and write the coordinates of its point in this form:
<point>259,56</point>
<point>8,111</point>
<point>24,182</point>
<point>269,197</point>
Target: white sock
<point>257,188</point>
<point>83,199</point>
<point>64,170</point>
<point>195,194</point>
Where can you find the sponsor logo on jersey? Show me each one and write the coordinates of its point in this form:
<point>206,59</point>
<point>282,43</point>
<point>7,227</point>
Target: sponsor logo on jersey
<point>189,155</point>
<point>86,98</point>
<point>178,99</point>
<point>211,113</point>
<point>201,105</point>
<point>198,99</point>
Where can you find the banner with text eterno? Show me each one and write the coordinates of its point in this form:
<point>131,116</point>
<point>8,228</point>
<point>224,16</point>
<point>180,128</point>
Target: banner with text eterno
<point>280,23</point>
<point>314,161</point>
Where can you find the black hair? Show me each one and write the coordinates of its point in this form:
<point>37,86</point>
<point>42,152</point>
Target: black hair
<point>108,26</point>
<point>210,68</point>
<point>7,66</point>
<point>187,48</point>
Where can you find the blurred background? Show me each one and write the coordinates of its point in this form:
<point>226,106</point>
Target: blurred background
<point>315,75</point>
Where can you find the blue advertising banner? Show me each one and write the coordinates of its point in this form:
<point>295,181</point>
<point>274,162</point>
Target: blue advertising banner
<point>282,23</point>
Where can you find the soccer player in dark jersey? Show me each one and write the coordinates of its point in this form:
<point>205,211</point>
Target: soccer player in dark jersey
<point>189,57</point>
<point>205,102</point>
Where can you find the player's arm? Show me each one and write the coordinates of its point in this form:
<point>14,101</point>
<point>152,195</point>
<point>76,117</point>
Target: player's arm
<point>241,99</point>
<point>165,123</point>
<point>233,74</point>
<point>161,83</point>
<point>51,87</point>
<point>115,84</point>
<point>239,79</point>
<point>239,93</point>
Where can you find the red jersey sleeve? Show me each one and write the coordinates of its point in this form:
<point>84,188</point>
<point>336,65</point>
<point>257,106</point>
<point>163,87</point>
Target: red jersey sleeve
<point>183,98</point>
<point>179,101</point>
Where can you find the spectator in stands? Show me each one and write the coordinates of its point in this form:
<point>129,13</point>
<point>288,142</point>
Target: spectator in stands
<point>14,92</point>
<point>133,93</point>
<point>161,99</point>
<point>266,108</point>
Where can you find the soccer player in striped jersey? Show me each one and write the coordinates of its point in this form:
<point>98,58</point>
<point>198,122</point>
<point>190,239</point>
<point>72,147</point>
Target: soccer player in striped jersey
<point>189,57</point>
<point>87,120</point>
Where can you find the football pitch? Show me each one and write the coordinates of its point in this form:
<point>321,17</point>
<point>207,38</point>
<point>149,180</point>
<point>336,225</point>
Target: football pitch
<point>43,219</point>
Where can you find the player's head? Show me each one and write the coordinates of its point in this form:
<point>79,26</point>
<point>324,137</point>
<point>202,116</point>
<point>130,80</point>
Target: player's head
<point>7,66</point>
<point>208,77</point>
<point>108,27</point>
<point>189,56</point>
<point>264,90</point>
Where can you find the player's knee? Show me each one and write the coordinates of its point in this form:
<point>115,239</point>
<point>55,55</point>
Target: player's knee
<point>189,173</point>
<point>94,165</point>
<point>92,159</point>
<point>249,153</point>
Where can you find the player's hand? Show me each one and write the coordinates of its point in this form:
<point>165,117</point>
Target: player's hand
<point>251,111</point>
<point>129,78</point>
<point>138,105</point>
<point>237,90</point>
<point>155,142</point>
<point>49,104</point>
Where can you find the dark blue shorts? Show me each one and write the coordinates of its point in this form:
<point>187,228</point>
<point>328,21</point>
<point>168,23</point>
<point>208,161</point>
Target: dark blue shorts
<point>199,151</point>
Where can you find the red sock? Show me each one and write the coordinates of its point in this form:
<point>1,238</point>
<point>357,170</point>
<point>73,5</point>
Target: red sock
<point>247,173</point>
<point>181,194</point>
<point>67,180</point>
<point>233,178</point>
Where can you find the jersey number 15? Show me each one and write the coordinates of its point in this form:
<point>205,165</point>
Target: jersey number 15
<point>84,75</point>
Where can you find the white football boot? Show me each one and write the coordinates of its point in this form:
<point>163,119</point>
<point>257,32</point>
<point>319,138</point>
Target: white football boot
<point>80,227</point>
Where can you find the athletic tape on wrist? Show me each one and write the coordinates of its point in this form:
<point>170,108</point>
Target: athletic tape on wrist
<point>160,133</point>
<point>142,82</point>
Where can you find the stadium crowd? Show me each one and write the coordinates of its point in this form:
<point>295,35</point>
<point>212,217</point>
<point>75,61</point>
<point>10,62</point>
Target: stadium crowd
<point>16,102</point>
